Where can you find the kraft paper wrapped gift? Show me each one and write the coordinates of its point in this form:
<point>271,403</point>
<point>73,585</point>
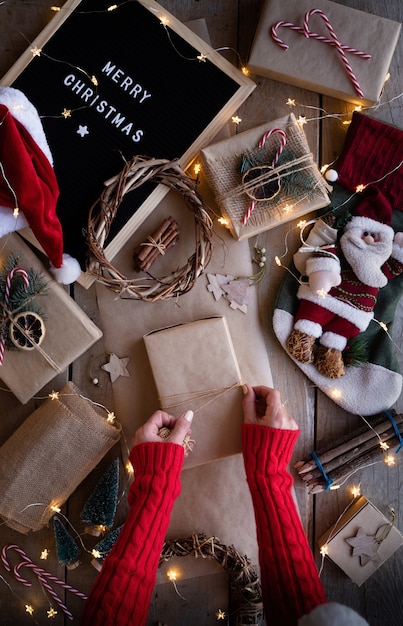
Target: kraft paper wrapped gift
<point>361,541</point>
<point>222,169</point>
<point>317,66</point>
<point>69,331</point>
<point>195,367</point>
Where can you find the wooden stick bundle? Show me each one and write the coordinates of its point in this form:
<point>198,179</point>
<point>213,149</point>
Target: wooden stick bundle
<point>156,245</point>
<point>349,452</point>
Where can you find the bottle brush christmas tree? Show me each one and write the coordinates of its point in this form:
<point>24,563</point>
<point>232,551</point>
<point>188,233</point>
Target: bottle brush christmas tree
<point>99,510</point>
<point>66,548</point>
<point>103,547</point>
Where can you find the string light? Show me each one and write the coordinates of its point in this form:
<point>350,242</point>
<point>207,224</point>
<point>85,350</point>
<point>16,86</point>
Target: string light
<point>291,102</point>
<point>390,460</point>
<point>66,113</point>
<point>236,119</point>
<point>324,550</point>
<point>197,169</point>
<point>111,418</point>
<point>384,445</point>
<point>164,20</point>
<point>36,52</point>
<point>51,613</point>
<point>202,58</point>
<point>301,121</point>
<point>129,468</point>
<point>356,491</point>
<point>360,188</point>
<point>223,221</point>
<point>54,395</point>
<point>335,393</point>
<point>113,7</point>
<point>29,609</point>
<point>55,9</point>
<point>245,70</point>
<point>96,554</point>
<point>220,614</point>
<point>172,575</point>
<point>44,554</point>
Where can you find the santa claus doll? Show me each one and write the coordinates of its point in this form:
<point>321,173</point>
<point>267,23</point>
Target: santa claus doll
<point>338,299</point>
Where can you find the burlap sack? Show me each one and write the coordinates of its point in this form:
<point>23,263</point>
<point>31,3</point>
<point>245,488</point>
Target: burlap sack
<point>48,456</point>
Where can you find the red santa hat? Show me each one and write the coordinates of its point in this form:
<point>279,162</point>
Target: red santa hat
<point>373,213</point>
<point>28,184</point>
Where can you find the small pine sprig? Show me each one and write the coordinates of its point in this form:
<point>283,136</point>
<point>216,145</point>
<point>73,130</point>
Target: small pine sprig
<point>355,353</point>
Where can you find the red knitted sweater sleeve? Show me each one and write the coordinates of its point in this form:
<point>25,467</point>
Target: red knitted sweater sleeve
<point>290,582</point>
<point>121,593</point>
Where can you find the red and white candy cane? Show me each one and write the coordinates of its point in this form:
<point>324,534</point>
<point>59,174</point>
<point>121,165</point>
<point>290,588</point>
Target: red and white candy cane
<point>333,41</point>
<point>283,141</point>
<point>42,575</point>
<point>10,276</point>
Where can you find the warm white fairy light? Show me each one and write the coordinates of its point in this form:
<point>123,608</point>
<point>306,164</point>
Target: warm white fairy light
<point>94,81</point>
<point>384,445</point>
<point>164,20</point>
<point>54,395</point>
<point>220,614</point>
<point>172,575</point>
<point>291,102</point>
<point>277,260</point>
<point>51,613</point>
<point>335,393</point>
<point>324,168</point>
<point>245,70</point>
<point>36,52</point>
<point>324,550</point>
<point>29,609</point>
<point>390,460</point>
<point>322,293</point>
<point>360,188</point>
<point>16,212</point>
<point>113,7</point>
<point>356,491</point>
<point>202,58</point>
<point>236,119</point>
<point>287,208</point>
<point>223,221</point>
<point>44,554</point>
<point>383,326</point>
<point>301,121</point>
<point>111,418</point>
<point>301,224</point>
<point>358,107</point>
<point>55,9</point>
<point>96,554</point>
<point>55,508</point>
<point>129,468</point>
<point>197,168</point>
<point>66,113</point>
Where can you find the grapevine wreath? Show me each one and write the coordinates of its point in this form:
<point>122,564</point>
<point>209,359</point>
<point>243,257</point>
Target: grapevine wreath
<point>242,574</point>
<point>149,288</point>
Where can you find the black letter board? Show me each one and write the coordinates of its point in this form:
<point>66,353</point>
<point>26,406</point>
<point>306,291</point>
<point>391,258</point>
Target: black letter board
<point>161,92</point>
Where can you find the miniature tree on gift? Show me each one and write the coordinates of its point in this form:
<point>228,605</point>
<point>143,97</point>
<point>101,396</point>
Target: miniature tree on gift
<point>66,548</point>
<point>103,547</point>
<point>99,510</point>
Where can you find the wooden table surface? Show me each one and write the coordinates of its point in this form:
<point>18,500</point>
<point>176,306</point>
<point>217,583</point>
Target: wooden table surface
<point>232,24</point>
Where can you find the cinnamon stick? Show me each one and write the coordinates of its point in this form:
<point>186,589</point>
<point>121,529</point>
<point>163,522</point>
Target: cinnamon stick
<point>158,243</point>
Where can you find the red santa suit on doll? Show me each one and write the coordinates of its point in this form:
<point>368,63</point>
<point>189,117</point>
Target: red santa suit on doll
<point>344,279</point>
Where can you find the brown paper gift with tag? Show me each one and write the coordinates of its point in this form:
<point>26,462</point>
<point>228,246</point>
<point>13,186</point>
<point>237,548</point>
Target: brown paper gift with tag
<point>195,367</point>
<point>317,66</point>
<point>69,331</point>
<point>361,540</point>
<point>48,456</point>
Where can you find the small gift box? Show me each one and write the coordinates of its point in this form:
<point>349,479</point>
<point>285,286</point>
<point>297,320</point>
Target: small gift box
<point>361,541</point>
<point>68,330</point>
<point>195,367</point>
<point>264,176</point>
<point>56,447</point>
<point>323,52</point>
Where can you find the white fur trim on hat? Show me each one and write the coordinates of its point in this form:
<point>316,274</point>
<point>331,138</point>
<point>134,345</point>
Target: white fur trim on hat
<point>332,614</point>
<point>68,272</point>
<point>371,225</point>
<point>322,262</point>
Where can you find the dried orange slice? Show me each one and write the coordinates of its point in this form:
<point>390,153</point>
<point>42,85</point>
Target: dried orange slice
<point>27,330</point>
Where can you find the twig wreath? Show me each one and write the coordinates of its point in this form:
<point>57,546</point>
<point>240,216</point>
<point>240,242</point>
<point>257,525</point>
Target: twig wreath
<point>242,573</point>
<point>136,172</point>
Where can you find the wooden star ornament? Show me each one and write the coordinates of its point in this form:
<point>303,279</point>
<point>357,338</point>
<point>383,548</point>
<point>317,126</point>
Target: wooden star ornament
<point>116,367</point>
<point>364,546</point>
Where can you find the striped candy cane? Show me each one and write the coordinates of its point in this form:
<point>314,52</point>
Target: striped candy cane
<point>10,276</point>
<point>42,575</point>
<point>333,41</point>
<point>283,141</point>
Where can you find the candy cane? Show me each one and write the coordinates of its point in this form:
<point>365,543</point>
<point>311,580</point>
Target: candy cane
<point>333,41</point>
<point>10,276</point>
<point>41,574</point>
<point>283,141</point>
<point>322,38</point>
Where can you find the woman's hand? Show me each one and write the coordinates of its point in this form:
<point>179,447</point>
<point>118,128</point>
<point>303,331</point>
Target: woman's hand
<point>179,426</point>
<point>262,405</point>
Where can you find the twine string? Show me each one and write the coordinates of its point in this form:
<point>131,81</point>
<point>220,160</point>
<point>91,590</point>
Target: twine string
<point>176,400</point>
<point>151,242</point>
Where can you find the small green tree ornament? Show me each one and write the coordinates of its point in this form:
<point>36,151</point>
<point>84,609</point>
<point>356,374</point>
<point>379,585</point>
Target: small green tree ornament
<point>103,547</point>
<point>99,511</point>
<point>66,547</point>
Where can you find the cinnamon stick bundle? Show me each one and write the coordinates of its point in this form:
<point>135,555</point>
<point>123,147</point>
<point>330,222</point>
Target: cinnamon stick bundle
<point>349,452</point>
<point>157,244</point>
